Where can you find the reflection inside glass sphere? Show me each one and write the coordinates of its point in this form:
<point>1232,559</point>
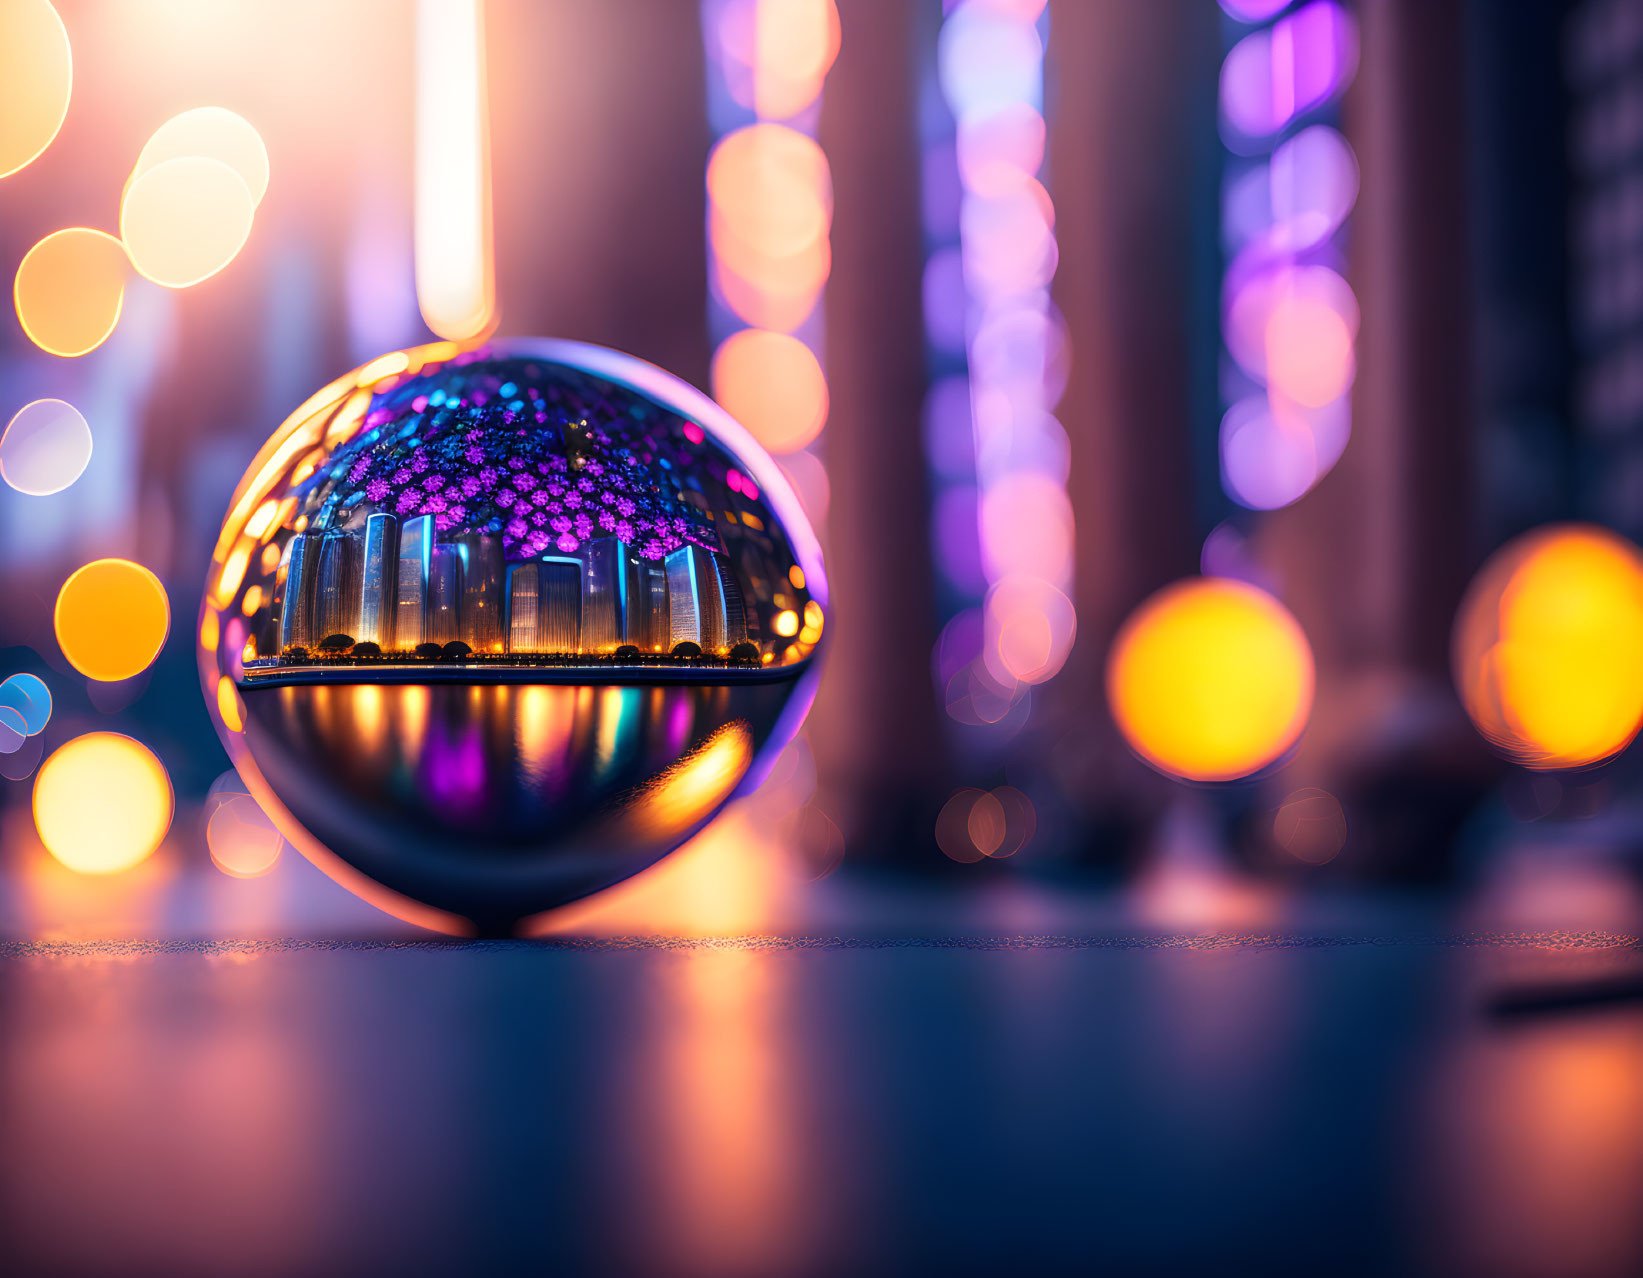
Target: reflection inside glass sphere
<point>500,627</point>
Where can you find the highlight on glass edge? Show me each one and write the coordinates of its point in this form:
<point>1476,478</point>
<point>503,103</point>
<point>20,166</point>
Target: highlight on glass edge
<point>489,629</point>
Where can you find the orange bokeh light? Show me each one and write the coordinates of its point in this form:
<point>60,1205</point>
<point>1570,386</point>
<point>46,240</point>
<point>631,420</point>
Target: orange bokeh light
<point>1210,679</point>
<point>185,219</point>
<point>102,803</point>
<point>771,191</point>
<point>112,618</point>
<point>1548,647</point>
<point>795,43</point>
<point>242,841</point>
<point>215,132</point>
<point>773,385</point>
<point>69,290</point>
<point>36,79</point>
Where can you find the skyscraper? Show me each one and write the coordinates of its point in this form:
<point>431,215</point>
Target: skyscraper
<point>648,624</point>
<point>483,577</point>
<point>524,608</point>
<point>296,600</point>
<point>560,615</point>
<point>735,606</point>
<point>444,594</point>
<point>698,600</point>
<point>378,594</point>
<point>602,591</point>
<point>337,596</point>
<point>416,540</point>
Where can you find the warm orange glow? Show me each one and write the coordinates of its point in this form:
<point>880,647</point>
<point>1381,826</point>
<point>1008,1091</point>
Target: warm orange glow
<point>455,270</point>
<point>242,841</point>
<point>692,788</point>
<point>1210,679</point>
<point>228,705</point>
<point>36,77</point>
<point>112,618</point>
<point>1548,648</point>
<point>786,624</point>
<point>216,133</point>
<point>795,43</point>
<point>771,192</point>
<point>70,288</point>
<point>102,803</point>
<point>953,827</point>
<point>185,219</point>
<point>774,386</point>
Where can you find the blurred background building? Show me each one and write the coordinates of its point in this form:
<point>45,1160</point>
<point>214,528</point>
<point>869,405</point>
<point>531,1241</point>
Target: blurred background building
<point>1041,308</point>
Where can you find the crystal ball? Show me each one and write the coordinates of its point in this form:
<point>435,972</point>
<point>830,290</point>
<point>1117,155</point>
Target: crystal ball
<point>488,629</point>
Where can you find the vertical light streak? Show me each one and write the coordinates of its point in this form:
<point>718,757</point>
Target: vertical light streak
<point>991,71</point>
<point>455,270</point>
<point>770,208</point>
<point>1289,318</point>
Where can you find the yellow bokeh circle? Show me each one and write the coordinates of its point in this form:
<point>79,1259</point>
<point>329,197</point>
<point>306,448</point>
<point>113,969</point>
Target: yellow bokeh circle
<point>112,618</point>
<point>69,290</point>
<point>1210,679</point>
<point>1548,646</point>
<point>36,78</point>
<point>185,219</point>
<point>102,803</point>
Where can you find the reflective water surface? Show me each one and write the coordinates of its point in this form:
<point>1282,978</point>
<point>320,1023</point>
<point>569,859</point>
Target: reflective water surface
<point>495,802</point>
<point>936,1100</point>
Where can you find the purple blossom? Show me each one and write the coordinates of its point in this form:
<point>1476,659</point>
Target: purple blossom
<point>377,490</point>
<point>567,544</point>
<point>584,527</point>
<point>434,504</point>
<point>516,528</point>
<point>516,463</point>
<point>473,456</point>
<point>419,462</point>
<point>408,501</point>
<point>401,477</point>
<point>607,521</point>
<point>625,507</point>
<point>561,523</point>
<point>539,517</point>
<point>487,477</point>
<point>585,484</point>
<point>524,483</point>
<point>506,497</point>
<point>434,483</point>
<point>573,499</point>
<point>540,497</point>
<point>470,486</point>
<point>624,530</point>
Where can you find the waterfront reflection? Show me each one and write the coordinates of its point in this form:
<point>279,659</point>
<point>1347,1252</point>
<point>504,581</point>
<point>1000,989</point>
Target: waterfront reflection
<point>495,802</point>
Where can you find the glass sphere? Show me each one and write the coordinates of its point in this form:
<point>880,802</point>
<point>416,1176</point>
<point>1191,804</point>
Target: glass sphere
<point>487,630</point>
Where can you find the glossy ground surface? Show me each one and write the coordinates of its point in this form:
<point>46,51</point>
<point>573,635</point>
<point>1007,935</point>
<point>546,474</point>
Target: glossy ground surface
<point>1016,1082</point>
